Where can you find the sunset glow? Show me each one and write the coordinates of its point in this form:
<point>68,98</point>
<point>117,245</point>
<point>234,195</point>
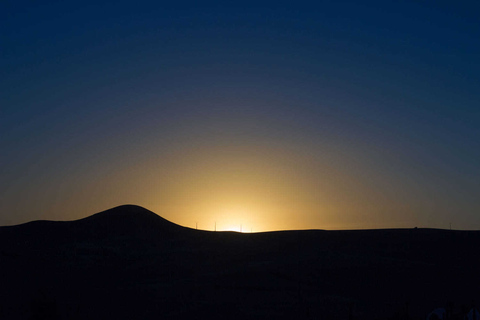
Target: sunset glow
<point>235,159</point>
<point>334,115</point>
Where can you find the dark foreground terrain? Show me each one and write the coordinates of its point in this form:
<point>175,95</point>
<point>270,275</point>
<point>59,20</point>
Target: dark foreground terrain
<point>129,263</point>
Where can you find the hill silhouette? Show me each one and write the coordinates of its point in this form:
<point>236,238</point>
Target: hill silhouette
<point>127,215</point>
<point>129,220</point>
<point>128,262</point>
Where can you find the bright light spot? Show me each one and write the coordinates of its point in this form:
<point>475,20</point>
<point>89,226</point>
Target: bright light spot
<point>234,228</point>
<point>236,220</point>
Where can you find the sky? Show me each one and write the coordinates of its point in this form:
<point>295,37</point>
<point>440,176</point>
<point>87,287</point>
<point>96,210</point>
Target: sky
<point>254,115</point>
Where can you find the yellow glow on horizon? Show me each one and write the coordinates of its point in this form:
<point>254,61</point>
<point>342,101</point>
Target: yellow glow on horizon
<point>232,228</point>
<point>249,188</point>
<point>243,188</point>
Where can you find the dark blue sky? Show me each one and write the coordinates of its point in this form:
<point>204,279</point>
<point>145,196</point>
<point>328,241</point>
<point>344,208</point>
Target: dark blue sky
<point>369,110</point>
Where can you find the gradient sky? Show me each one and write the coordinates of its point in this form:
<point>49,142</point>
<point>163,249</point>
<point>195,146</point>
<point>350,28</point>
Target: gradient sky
<point>269,115</point>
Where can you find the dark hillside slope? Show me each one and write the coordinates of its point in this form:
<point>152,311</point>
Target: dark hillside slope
<point>127,223</point>
<point>128,218</point>
<point>128,262</point>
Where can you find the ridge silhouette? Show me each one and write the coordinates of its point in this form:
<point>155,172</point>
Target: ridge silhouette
<point>128,220</point>
<point>128,262</point>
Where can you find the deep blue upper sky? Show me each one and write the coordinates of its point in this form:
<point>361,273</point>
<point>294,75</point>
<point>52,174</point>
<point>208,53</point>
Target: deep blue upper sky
<point>94,90</point>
